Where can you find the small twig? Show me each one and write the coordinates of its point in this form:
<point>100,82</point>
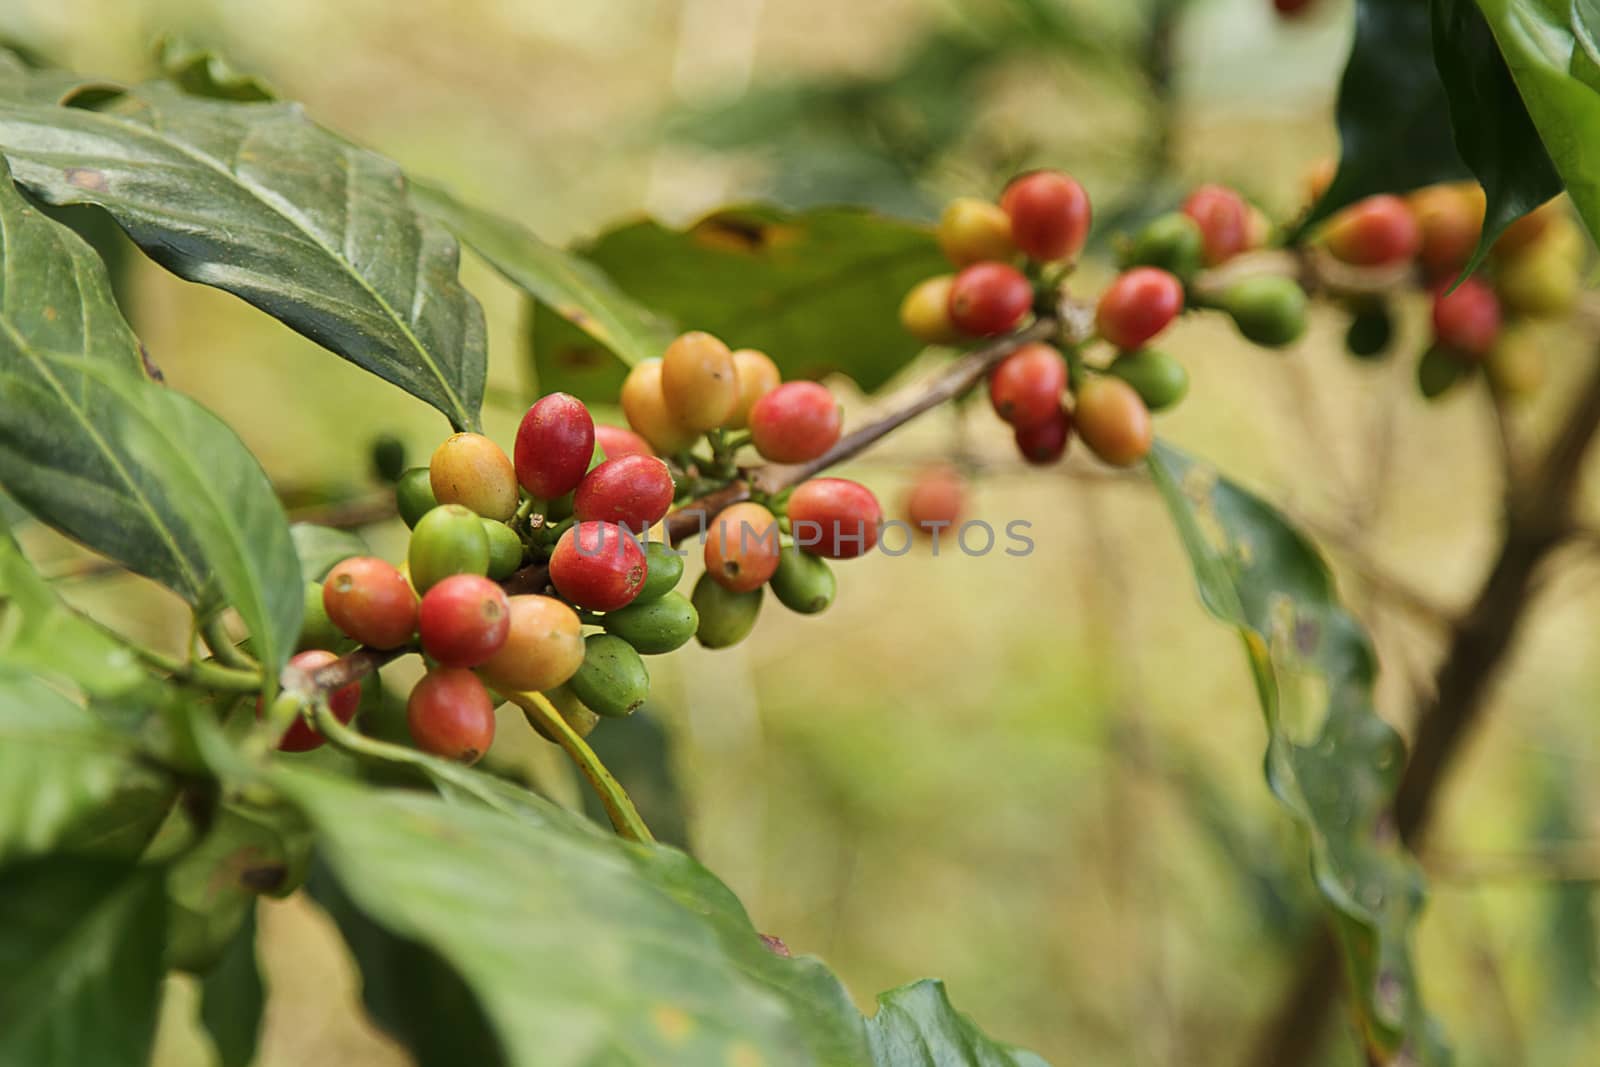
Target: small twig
<point>619,806</point>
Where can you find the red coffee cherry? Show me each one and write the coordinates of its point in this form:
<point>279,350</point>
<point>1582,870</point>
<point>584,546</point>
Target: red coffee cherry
<point>1049,214</point>
<point>1026,387</point>
<point>371,602</point>
<point>796,422</point>
<point>1224,220</point>
<point>618,442</point>
<point>1374,232</point>
<point>989,298</point>
<point>450,714</point>
<point>635,491</point>
<point>1467,320</point>
<point>343,701</point>
<point>554,444</point>
<point>464,620</point>
<point>936,498</point>
<point>834,517</point>
<point>1292,8</point>
<point>1046,443</point>
<point>742,547</point>
<point>1138,305</point>
<point>598,565</point>
<point>471,470</point>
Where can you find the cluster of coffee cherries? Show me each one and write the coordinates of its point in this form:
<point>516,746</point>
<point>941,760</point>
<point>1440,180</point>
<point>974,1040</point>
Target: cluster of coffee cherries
<point>1012,257</point>
<point>568,517</point>
<point>1533,271</point>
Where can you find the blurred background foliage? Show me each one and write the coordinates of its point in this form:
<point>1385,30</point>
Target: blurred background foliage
<point>1038,778</point>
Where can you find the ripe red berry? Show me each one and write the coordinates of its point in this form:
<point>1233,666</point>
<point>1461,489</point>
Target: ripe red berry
<point>301,736</point>
<point>1046,443</point>
<point>742,547</point>
<point>371,602</point>
<point>617,442</point>
<point>796,422</point>
<point>1224,221</point>
<point>1292,8</point>
<point>1049,214</point>
<point>988,299</point>
<point>936,498</point>
<point>1375,232</point>
<point>1468,319</point>
<point>1138,305</point>
<point>450,714</point>
<point>635,491</point>
<point>598,565</point>
<point>464,620</point>
<point>1025,388</point>
<point>834,517</point>
<point>554,445</point>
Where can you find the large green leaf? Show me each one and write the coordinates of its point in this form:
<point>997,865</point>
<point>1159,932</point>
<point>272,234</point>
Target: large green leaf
<point>1550,48</point>
<point>141,474</point>
<point>59,764</point>
<point>1492,129</point>
<point>572,287</point>
<point>80,963</point>
<point>1394,122</point>
<point>816,290</point>
<point>40,634</point>
<point>1330,759</point>
<point>917,1027</point>
<point>255,199</point>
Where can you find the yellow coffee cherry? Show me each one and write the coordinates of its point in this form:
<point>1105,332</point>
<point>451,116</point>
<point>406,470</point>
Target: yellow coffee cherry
<point>758,376</point>
<point>699,382</point>
<point>646,410</point>
<point>1516,364</point>
<point>925,312</point>
<point>471,470</point>
<point>971,230</point>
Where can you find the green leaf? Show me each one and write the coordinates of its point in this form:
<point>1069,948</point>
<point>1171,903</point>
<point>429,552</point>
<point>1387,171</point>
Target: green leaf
<point>1394,121</point>
<point>572,287</point>
<point>40,634</point>
<point>59,766</point>
<point>46,85</point>
<point>232,997</point>
<point>1331,761</point>
<point>410,992</point>
<point>1492,129</point>
<point>200,72</point>
<point>1549,47</point>
<point>917,1027</point>
<point>143,475</point>
<point>818,291</point>
<point>255,199</point>
<point>80,963</point>
<point>319,548</point>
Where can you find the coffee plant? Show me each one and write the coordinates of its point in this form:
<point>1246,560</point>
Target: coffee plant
<point>149,796</point>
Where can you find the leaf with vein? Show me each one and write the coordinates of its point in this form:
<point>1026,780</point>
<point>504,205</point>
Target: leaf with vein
<point>253,198</point>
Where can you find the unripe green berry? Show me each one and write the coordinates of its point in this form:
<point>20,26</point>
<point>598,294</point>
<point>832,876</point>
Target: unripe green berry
<point>726,617</point>
<point>448,540</point>
<point>1371,330</point>
<point>613,680</point>
<point>664,569</point>
<point>1438,370</point>
<point>662,625</point>
<point>1269,310</point>
<point>1159,379</point>
<point>413,495</point>
<point>803,583</point>
<point>505,549</point>
<point>1172,242</point>
<point>316,629</point>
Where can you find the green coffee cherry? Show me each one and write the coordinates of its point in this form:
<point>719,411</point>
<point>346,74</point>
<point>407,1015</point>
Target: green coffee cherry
<point>612,680</point>
<point>1269,310</point>
<point>316,629</point>
<point>388,458</point>
<point>1371,330</point>
<point>505,549</point>
<point>1172,242</point>
<point>580,718</point>
<point>803,582</point>
<point>448,540</point>
<point>726,617</point>
<point>665,567</point>
<point>413,495</point>
<point>1438,370</point>
<point>1160,380</point>
<point>657,626</point>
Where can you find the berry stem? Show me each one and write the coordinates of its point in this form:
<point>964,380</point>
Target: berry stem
<point>619,806</point>
<point>357,743</point>
<point>215,635</point>
<point>202,673</point>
